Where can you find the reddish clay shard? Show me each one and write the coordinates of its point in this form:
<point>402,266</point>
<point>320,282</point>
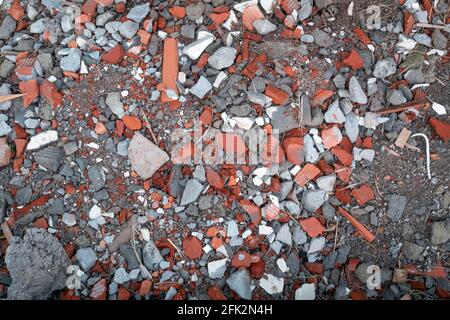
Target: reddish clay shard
<point>363,231</point>
<point>31,88</point>
<point>252,210</point>
<point>114,56</point>
<point>353,60</point>
<point>363,194</point>
<point>308,173</point>
<point>192,248</point>
<point>279,97</point>
<point>441,128</point>
<point>170,68</point>
<point>312,227</point>
<point>250,15</point>
<point>49,91</point>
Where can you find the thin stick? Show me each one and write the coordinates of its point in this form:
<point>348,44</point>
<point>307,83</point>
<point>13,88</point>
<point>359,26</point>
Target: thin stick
<point>149,127</point>
<point>178,249</point>
<point>335,235</point>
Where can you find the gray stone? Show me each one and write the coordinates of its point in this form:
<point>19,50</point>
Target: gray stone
<point>121,276</point>
<point>37,265</point>
<point>97,177</point>
<point>113,101</point>
<point>103,18</point>
<point>313,199</point>
<point>385,68</point>
<point>138,13</point>
<point>222,58</point>
<point>356,92</point>
<point>5,129</point>
<point>191,192</point>
<point>306,7</point>
<point>70,148</point>
<point>195,11</point>
<point>240,283</point>
<point>299,235</point>
<point>440,232</point>
<point>334,114</point>
<point>151,256</point>
<point>7,27</point>
<point>6,68</point>
<point>49,158</point>
<point>352,127</point>
<point>71,62</point>
<point>128,29</point>
<point>363,272</point>
<point>284,235</point>
<point>5,89</point>
<point>309,149</point>
<point>414,76</point>
<point>326,183</point>
<point>122,147</point>
<point>439,40</point>
<point>396,97</point>
<point>23,196</point>
<point>216,269</point>
<point>38,26</point>
<point>284,119</point>
<point>201,88</point>
<point>396,206</point>
<point>145,157</point>
<point>87,258</point>
<point>188,31</point>
<point>322,38</point>
<point>264,26</point>
<point>126,250</point>
<point>317,244</point>
<point>412,251</point>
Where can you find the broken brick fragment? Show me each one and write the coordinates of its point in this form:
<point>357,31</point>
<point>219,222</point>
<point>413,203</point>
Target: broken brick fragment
<point>293,148</point>
<point>321,96</point>
<point>408,22</point>
<point>345,157</point>
<point>178,12</point>
<point>16,11</point>
<point>312,226</point>
<point>308,173</point>
<point>215,293</point>
<point>362,230</point>
<point>241,259</point>
<point>132,122</point>
<point>170,68</point>
<point>49,91</point>
<point>250,15</point>
<point>31,88</point>
<point>363,194</point>
<point>279,97</point>
<point>252,210</point>
<point>353,60</point>
<point>441,128</point>
<point>331,137</point>
<point>114,56</point>
<point>89,8</point>
<point>192,247</point>
<point>214,179</point>
<point>219,18</point>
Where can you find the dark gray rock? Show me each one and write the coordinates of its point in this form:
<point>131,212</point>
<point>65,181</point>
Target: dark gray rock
<point>37,265</point>
<point>97,177</point>
<point>50,158</point>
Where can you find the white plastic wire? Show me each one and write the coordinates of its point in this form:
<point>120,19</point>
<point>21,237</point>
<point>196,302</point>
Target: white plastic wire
<point>427,144</point>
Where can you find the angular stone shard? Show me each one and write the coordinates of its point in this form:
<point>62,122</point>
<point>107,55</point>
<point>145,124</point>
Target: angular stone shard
<point>145,157</point>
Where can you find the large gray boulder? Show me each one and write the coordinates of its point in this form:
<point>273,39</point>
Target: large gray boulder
<point>37,265</point>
